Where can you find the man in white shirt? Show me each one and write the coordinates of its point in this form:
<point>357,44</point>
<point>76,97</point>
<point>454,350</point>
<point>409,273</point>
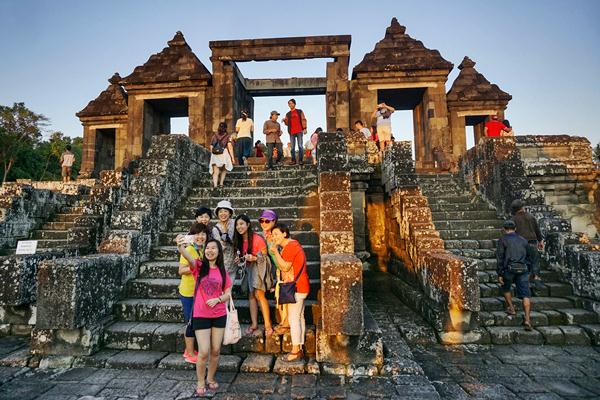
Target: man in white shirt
<point>383,113</point>
<point>244,127</point>
<point>359,126</point>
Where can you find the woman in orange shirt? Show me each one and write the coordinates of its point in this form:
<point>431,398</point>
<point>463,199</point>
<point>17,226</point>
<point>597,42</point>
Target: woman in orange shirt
<point>292,262</point>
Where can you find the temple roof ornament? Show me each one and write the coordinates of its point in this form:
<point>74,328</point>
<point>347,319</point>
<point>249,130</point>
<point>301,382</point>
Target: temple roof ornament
<point>397,51</point>
<point>112,101</point>
<point>470,85</point>
<point>176,62</point>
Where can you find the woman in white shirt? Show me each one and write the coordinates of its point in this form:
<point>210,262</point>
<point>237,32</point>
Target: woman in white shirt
<point>244,127</point>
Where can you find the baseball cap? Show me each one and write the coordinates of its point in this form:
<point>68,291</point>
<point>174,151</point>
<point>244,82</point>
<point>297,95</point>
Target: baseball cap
<point>274,113</point>
<point>509,224</point>
<point>268,214</point>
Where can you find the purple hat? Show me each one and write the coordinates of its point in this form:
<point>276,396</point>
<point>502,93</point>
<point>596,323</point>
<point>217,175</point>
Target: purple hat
<point>268,214</point>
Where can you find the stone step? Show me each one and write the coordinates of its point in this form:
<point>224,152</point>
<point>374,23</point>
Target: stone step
<point>169,310</point>
<point>153,336</point>
<point>232,192</point>
<point>473,248</point>
<point>294,224</point>
<point>65,217</point>
<point>443,199</point>
<point>170,253</point>
<point>167,288</point>
<point>187,210</point>
<point>550,335</point>
<point>469,224</point>
<point>257,202</point>
<point>563,178</point>
<point>72,210</point>
<point>546,275</point>
<point>552,198</point>
<point>548,289</point>
<point>169,269</point>
<point>445,207</point>
<point>267,183</point>
<point>52,243</point>
<point>442,192</point>
<point>304,237</point>
<point>463,215</point>
<point>573,187</point>
<point>538,303</point>
<point>476,234</point>
<point>58,226</point>
<point>50,234</point>
<point>275,174</point>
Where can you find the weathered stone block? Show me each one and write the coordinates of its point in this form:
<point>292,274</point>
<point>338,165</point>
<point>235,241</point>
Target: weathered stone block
<point>341,294</point>
<point>334,182</point>
<point>333,201</point>
<point>336,242</point>
<point>336,221</point>
<point>257,363</point>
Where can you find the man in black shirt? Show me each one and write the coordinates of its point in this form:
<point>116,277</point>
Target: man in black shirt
<point>512,255</point>
<point>527,227</point>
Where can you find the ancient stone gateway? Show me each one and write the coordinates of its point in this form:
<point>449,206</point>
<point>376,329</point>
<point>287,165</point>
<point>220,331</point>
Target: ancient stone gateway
<point>400,70</point>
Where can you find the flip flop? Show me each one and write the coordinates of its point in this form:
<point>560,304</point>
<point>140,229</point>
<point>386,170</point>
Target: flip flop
<point>510,311</point>
<point>250,330</point>
<point>268,332</point>
<point>200,391</point>
<point>213,385</point>
<point>527,326</point>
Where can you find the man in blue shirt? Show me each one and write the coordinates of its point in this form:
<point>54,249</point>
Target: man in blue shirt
<point>513,256</point>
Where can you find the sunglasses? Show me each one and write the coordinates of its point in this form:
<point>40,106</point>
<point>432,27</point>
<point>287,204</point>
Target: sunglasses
<point>264,221</point>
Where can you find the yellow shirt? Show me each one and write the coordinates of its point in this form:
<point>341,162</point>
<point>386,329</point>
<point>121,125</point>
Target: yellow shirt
<point>188,284</point>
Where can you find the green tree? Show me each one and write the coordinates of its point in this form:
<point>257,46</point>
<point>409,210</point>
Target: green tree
<point>20,129</point>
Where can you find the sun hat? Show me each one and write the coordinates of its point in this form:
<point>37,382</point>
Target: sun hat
<point>268,214</point>
<point>226,204</point>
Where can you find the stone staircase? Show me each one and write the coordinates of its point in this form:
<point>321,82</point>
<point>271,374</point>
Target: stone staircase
<point>570,195</point>
<point>470,227</point>
<point>150,316</point>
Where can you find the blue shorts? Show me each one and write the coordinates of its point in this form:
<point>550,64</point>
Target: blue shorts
<point>521,282</point>
<point>186,305</point>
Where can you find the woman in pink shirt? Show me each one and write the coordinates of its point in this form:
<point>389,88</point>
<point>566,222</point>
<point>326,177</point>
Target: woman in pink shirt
<point>209,313</point>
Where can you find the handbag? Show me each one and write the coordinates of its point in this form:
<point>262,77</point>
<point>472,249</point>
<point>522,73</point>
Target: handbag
<point>287,290</point>
<point>517,268</point>
<point>233,331</point>
<point>218,148</point>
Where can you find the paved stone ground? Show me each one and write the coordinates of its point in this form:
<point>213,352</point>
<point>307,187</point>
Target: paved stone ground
<point>423,369</point>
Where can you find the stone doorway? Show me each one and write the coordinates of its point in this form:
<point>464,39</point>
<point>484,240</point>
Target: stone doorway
<point>157,117</point>
<point>104,150</point>
<point>477,122</point>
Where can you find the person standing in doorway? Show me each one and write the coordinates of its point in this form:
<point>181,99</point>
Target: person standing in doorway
<point>272,131</point>
<point>296,123</point>
<point>67,158</point>
<point>244,127</point>
<point>383,114</point>
<point>495,128</point>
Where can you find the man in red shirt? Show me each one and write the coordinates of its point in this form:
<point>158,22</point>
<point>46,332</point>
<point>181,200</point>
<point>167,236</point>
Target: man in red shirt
<point>494,128</point>
<point>296,123</point>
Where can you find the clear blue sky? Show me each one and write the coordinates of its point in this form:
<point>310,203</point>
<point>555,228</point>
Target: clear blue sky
<point>58,55</point>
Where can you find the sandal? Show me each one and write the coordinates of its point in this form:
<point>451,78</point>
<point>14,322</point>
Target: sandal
<point>200,391</point>
<point>280,330</point>
<point>250,330</point>
<point>527,326</point>
<point>294,356</point>
<point>510,311</point>
<point>269,332</point>
<point>212,385</point>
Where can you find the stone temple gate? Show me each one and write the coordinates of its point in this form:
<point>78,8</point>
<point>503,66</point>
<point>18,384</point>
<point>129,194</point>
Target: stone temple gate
<point>120,122</point>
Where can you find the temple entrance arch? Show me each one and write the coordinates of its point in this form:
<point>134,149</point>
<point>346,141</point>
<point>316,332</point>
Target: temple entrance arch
<point>232,92</point>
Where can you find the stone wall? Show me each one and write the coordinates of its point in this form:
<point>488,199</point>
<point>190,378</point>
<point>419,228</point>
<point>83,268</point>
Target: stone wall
<point>24,208</point>
<point>449,283</point>
<point>93,283</point>
<point>495,168</point>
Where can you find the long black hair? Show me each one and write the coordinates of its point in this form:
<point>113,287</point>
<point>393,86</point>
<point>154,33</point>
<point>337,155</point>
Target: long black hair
<point>238,239</point>
<point>205,267</point>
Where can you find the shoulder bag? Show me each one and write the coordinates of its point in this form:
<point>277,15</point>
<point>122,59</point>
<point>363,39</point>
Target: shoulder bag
<point>233,331</point>
<point>287,290</point>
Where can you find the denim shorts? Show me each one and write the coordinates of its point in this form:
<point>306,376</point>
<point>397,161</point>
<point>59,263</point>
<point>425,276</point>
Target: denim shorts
<point>186,305</point>
<point>521,282</point>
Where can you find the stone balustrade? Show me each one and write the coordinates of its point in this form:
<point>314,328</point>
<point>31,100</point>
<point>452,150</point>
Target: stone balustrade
<point>449,283</point>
